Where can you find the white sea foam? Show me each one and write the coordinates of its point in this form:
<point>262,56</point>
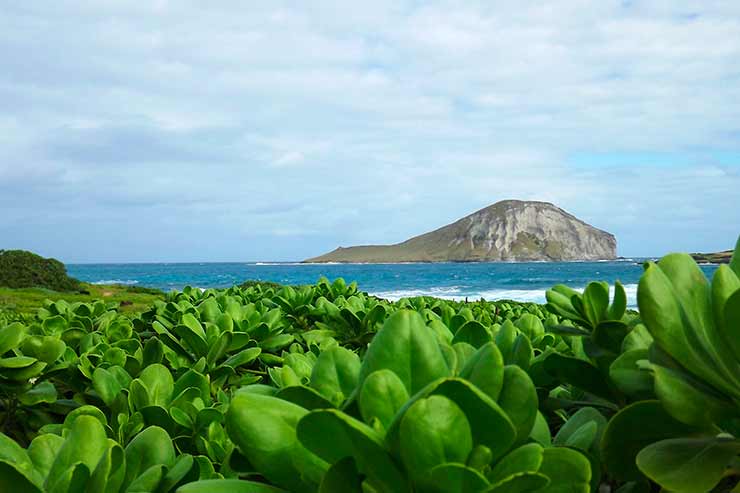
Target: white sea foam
<point>458,294</point>
<point>126,282</point>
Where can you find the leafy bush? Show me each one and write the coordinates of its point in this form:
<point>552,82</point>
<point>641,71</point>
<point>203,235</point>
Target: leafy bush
<point>21,269</point>
<point>322,388</point>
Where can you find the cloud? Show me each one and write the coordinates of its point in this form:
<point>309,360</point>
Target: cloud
<point>280,130</point>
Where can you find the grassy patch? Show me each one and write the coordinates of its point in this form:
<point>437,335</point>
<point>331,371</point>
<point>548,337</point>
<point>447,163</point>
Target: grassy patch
<point>131,299</point>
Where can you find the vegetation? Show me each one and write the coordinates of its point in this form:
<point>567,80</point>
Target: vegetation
<point>130,300</point>
<point>21,269</point>
<point>323,388</point>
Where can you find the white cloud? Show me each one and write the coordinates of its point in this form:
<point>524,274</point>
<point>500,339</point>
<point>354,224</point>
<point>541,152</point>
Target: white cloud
<point>383,119</point>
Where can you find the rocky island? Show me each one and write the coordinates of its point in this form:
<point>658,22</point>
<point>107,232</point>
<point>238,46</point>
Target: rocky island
<point>510,230</point>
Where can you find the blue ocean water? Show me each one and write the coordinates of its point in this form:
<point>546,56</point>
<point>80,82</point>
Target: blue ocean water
<point>526,281</point>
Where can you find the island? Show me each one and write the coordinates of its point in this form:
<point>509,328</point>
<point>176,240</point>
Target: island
<point>510,230</point>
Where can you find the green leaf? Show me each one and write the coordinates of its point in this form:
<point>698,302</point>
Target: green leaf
<point>584,418</point>
<point>541,431</point>
<point>518,399</point>
<point>192,339</point>
<point>686,398</point>
<point>472,332</point>
<point>153,352</point>
<point>109,474</point>
<point>580,374</point>
<point>333,435</point>
<point>336,373</point>
<point>41,392</point>
<point>303,396</point>
<point>219,347</point>
<point>619,305</point>
<point>264,429</point>
<point>11,336</point>
<point>459,478</point>
<point>596,302</point>
<point>406,346</point>
<point>731,322</point>
<point>531,326</point>
<point>688,465</point>
<point>526,458</point>
<point>489,423</point>
<point>629,374</point>
<point>632,429</point>
<point>43,451</point>
<point>243,357</point>
<point>381,396</point>
<point>85,444</point>
<point>44,348</point>
<point>569,471</point>
<point>433,431</point>
<point>159,384</point>
<point>18,461</point>
<point>192,323</point>
<point>485,370</point>
<point>106,385</point>
<point>228,486</point>
<point>342,477</point>
<point>663,310</point>
<point>523,482</point>
<point>735,262</point>
<point>17,362</point>
<point>11,479</point>
<point>151,447</point>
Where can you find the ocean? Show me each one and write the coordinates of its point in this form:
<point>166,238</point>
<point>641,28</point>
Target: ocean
<point>525,281</point>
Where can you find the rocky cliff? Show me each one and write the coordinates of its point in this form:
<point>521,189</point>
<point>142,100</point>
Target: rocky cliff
<point>511,230</point>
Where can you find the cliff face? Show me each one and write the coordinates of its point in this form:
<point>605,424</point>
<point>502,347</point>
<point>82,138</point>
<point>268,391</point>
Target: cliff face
<point>511,230</point>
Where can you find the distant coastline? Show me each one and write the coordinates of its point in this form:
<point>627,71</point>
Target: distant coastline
<point>713,258</point>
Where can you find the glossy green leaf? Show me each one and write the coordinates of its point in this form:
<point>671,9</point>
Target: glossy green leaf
<point>336,373</point>
<point>264,429</point>
<point>526,458</point>
<point>688,465</point>
<point>333,435</point>
<point>42,392</point>
<point>569,471</point>
<point>630,375</point>
<point>631,430</point>
<point>228,486</point>
<point>11,336</point>
<point>85,444</point>
<point>381,396</point>
<point>152,447</point>
<point>583,430</point>
<point>472,332</point>
<point>580,374</point>
<point>434,431</point>
<point>518,399</point>
<point>445,478</point>
<point>489,423</point>
<point>485,370</point>
<point>159,384</point>
<point>524,482</point>
<point>406,346</point>
<point>342,477</point>
<point>619,304</point>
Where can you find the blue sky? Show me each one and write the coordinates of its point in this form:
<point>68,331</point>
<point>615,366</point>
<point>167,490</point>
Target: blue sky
<point>191,131</point>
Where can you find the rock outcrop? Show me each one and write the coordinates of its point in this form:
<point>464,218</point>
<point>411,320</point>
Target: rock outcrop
<point>511,230</point>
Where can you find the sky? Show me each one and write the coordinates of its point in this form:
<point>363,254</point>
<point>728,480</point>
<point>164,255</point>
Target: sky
<point>247,131</point>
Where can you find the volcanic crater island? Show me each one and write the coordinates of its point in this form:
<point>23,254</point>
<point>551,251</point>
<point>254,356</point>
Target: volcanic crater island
<point>507,231</point>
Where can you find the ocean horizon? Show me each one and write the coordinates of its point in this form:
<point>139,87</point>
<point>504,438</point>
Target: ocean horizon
<point>519,281</point>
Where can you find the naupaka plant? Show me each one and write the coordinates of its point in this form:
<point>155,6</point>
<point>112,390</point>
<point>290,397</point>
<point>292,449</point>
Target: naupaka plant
<point>695,358</point>
<point>412,424</point>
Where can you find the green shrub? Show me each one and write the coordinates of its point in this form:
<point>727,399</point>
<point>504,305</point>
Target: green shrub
<point>22,269</point>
